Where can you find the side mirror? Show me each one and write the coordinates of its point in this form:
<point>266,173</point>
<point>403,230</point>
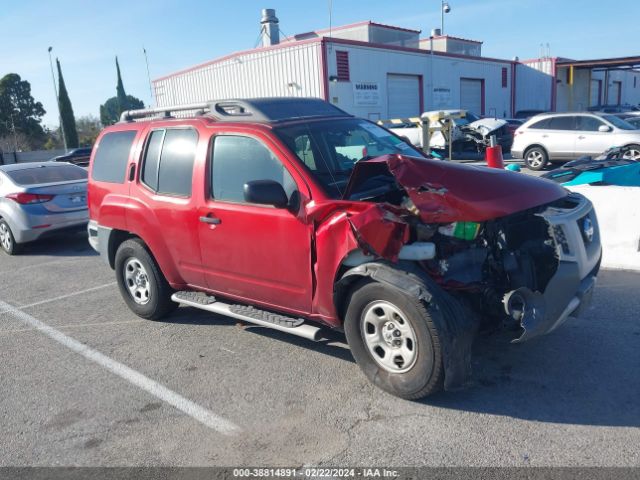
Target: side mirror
<point>604,128</point>
<point>265,192</point>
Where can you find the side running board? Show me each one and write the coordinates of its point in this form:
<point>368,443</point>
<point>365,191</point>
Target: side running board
<point>295,326</point>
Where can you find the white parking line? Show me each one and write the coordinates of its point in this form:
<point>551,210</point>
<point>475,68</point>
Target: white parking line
<point>73,325</point>
<point>62,297</point>
<point>195,411</point>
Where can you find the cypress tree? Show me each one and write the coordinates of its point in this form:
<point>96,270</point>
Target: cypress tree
<point>66,112</point>
<point>123,103</point>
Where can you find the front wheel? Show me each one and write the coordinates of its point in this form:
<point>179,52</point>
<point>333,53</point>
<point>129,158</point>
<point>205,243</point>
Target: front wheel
<point>536,158</point>
<point>394,340</point>
<point>141,282</point>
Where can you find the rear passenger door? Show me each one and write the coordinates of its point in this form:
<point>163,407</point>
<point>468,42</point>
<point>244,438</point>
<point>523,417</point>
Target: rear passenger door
<point>560,137</point>
<point>255,253</point>
<point>164,206</point>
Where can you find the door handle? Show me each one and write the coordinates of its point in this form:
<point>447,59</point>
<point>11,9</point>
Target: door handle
<point>545,136</point>
<point>581,137</point>
<point>210,220</point>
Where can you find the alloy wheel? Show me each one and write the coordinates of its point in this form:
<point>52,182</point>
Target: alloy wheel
<point>5,237</point>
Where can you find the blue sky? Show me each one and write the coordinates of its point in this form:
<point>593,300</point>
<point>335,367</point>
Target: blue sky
<point>87,35</point>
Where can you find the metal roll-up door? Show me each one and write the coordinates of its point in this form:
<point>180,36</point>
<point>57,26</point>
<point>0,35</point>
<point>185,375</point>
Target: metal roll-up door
<point>403,96</point>
<point>471,95</point>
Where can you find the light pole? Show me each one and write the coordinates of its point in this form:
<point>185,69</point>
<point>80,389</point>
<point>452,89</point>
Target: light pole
<point>55,90</point>
<point>444,8</point>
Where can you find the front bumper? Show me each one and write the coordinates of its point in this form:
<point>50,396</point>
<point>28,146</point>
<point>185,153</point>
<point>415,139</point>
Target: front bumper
<point>569,291</point>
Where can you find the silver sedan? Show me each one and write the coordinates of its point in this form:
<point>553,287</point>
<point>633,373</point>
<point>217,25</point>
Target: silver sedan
<point>38,199</point>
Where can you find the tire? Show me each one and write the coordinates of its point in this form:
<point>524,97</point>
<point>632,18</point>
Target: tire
<point>7,240</point>
<point>536,158</point>
<point>633,153</point>
<point>141,282</point>
<point>420,374</point>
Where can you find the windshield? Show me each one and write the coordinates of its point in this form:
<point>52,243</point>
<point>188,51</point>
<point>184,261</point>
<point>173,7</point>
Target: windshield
<point>619,123</point>
<point>329,149</point>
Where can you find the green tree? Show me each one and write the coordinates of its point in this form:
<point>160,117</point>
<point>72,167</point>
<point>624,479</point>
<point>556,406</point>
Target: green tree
<point>88,129</point>
<point>110,111</point>
<point>120,93</point>
<point>20,114</point>
<point>66,112</point>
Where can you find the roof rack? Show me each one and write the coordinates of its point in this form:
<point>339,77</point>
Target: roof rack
<point>269,110</point>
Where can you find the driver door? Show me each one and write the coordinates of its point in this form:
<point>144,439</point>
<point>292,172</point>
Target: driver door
<point>256,253</point>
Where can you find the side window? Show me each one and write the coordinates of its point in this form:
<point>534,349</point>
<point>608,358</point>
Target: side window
<point>152,160</point>
<point>588,124</point>
<point>541,125</point>
<point>562,123</point>
<point>304,152</point>
<point>112,155</point>
<point>168,164</point>
<point>238,160</point>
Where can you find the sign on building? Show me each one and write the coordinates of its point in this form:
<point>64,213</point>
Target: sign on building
<point>366,94</point>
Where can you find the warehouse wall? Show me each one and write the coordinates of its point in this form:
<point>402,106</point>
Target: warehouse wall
<point>280,71</point>
<point>533,86</point>
<point>370,65</point>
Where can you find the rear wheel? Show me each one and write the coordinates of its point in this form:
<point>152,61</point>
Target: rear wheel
<point>632,153</point>
<point>394,340</point>
<point>536,158</point>
<point>141,282</point>
<point>7,240</point>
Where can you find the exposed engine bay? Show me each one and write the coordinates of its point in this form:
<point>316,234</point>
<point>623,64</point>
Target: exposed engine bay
<point>501,268</point>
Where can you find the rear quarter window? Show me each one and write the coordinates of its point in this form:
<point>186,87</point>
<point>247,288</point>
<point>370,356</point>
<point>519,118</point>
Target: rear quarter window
<point>52,174</point>
<point>112,155</point>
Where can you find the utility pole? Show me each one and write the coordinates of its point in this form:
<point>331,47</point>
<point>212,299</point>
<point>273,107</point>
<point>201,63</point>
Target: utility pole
<point>55,89</point>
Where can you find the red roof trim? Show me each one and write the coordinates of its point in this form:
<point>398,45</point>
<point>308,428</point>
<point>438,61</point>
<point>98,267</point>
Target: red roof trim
<point>342,41</point>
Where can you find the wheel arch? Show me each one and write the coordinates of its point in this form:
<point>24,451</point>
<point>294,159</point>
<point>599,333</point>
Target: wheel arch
<point>535,145</point>
<point>456,324</point>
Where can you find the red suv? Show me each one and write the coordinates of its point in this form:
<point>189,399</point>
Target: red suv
<point>292,214</point>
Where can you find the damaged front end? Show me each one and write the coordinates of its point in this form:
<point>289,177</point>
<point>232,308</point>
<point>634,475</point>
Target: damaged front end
<point>511,250</point>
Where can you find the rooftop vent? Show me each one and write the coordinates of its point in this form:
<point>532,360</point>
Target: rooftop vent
<point>269,29</point>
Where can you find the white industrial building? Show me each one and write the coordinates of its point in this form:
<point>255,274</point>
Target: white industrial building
<point>380,71</point>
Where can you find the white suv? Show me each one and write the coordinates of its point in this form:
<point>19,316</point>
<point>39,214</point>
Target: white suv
<point>567,136</point>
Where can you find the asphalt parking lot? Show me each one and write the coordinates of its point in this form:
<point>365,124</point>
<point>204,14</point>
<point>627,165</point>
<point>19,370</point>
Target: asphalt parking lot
<point>85,382</point>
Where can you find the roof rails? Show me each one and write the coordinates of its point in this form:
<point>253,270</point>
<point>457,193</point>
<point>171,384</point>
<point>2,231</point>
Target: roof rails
<point>269,110</point>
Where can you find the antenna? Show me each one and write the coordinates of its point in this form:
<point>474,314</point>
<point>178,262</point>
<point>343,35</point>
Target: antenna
<point>330,15</point>
<point>146,61</point>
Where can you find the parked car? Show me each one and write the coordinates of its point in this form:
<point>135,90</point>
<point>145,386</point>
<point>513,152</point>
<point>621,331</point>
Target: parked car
<point>567,136</point>
<point>469,131</point>
<point>632,109</point>
<point>77,156</point>
<point>292,214</point>
<point>513,124</point>
<point>630,118</point>
<point>611,168</point>
<point>527,114</point>
<point>40,199</point>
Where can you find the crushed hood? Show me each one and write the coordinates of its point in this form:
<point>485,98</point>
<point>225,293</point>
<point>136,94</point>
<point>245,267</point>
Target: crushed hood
<point>487,125</point>
<point>445,192</point>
